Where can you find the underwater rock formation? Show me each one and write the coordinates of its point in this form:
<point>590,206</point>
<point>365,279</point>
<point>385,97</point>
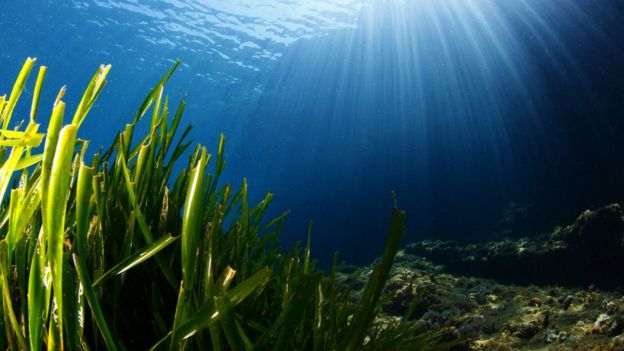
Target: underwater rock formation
<point>489,316</point>
<point>588,251</point>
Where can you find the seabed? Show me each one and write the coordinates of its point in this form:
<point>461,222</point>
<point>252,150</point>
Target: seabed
<point>556,291</point>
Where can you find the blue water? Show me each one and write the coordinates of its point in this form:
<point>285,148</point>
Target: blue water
<point>465,108</point>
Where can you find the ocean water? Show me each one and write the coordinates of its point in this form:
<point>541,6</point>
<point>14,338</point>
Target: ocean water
<point>488,118</point>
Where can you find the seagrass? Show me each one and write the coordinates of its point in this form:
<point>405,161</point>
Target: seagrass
<point>122,254</point>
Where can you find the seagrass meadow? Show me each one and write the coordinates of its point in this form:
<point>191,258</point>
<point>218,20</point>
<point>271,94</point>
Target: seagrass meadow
<point>121,254</point>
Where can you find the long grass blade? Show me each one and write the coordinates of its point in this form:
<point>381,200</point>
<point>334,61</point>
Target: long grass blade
<point>368,302</point>
<point>143,226</point>
<point>83,199</point>
<point>228,323</point>
<point>18,88</point>
<point>36,299</point>
<point>37,92</point>
<point>6,297</point>
<point>55,209</point>
<point>208,315</point>
<point>85,281</point>
<point>190,221</point>
<point>137,258</point>
<point>91,93</point>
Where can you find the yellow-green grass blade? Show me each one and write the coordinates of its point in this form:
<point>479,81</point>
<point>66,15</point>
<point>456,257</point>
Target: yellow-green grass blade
<point>103,223</point>
<point>236,296</point>
<point>137,258</point>
<point>28,141</point>
<point>7,303</point>
<point>18,88</point>
<point>306,252</point>
<point>20,280</point>
<point>149,99</point>
<point>26,135</point>
<point>235,199</point>
<point>92,300</point>
<point>163,130</point>
<point>60,95</point>
<point>207,315</point>
<point>40,285</point>
<point>37,92</point>
<point>217,288</point>
<point>9,166</point>
<point>55,210</point>
<point>23,204</point>
<point>174,126</point>
<point>220,150</point>
<point>179,149</point>
<point>21,209</point>
<point>209,259</point>
<point>7,169</point>
<point>83,200</point>
<point>91,93</point>
<point>37,300</point>
<point>244,219</point>
<point>319,327</point>
<point>156,111</point>
<point>28,161</point>
<point>49,150</point>
<point>126,139</point>
<point>140,163</point>
<point>143,226</point>
<point>12,237</point>
<point>193,212</point>
<point>71,309</point>
<point>7,340</point>
<point>223,283</point>
<point>19,156</point>
<point>2,103</point>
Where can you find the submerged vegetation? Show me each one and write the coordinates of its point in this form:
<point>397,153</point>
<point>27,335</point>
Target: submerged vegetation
<point>120,254</point>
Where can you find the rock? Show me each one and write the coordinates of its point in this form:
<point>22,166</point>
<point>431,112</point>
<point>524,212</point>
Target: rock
<point>588,251</point>
<point>491,298</point>
<point>488,315</point>
<point>608,325</point>
<point>404,287</point>
<point>551,336</point>
<point>596,233</point>
<point>477,298</point>
<point>529,324</point>
<point>489,345</point>
<point>401,299</point>
<point>617,343</point>
<point>612,307</point>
